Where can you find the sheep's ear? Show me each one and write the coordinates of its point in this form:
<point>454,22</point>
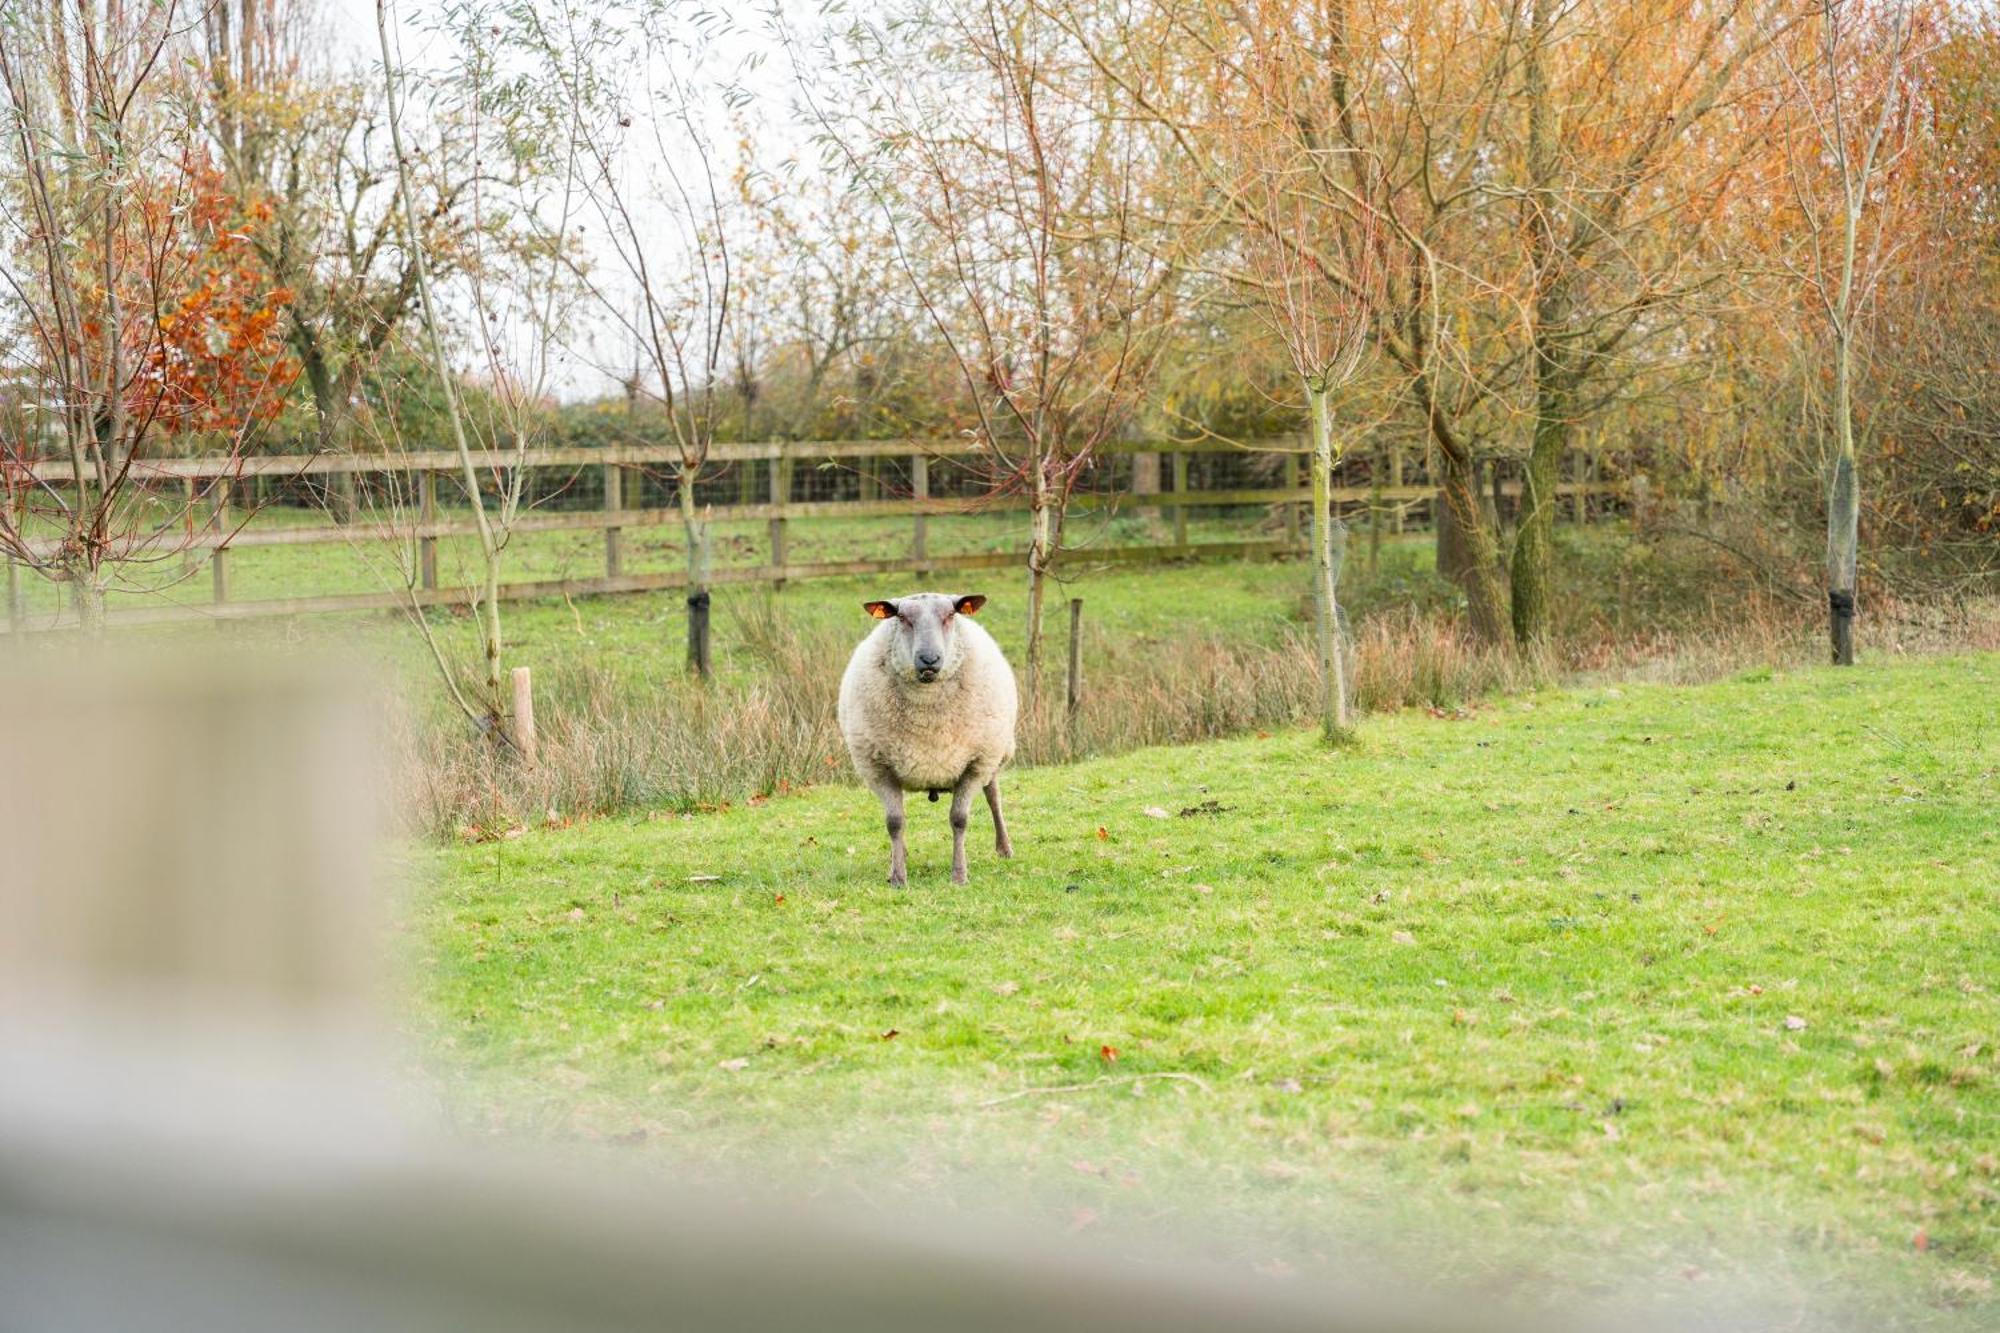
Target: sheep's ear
<point>969,605</point>
<point>879,610</point>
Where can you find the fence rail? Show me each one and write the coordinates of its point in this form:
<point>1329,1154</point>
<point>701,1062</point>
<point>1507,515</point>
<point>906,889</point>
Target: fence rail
<point>420,520</point>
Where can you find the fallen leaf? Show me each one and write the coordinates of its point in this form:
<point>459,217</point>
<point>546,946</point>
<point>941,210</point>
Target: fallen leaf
<point>1155,812</point>
<point>733,1065</point>
<point>891,1034</point>
<point>1108,1054</point>
<point>1102,833</point>
<point>1921,1240</point>
<point>781,900</point>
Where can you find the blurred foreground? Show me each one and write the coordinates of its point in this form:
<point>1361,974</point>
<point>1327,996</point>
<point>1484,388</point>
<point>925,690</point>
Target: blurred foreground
<point>200,1126</point>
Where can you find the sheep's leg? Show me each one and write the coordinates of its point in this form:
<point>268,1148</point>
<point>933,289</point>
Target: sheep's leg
<point>890,792</point>
<point>961,815</point>
<point>1001,842</point>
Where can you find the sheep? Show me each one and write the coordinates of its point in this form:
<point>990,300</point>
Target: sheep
<point>927,704</point>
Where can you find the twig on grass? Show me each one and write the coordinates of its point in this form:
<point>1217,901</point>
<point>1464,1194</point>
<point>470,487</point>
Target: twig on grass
<point>1093,1084</point>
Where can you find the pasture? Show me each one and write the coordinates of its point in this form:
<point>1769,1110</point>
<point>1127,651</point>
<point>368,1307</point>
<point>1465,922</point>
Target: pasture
<point>1627,992</point>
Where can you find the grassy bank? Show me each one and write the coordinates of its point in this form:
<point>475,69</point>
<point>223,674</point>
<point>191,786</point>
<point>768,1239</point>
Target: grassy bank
<point>1643,988</point>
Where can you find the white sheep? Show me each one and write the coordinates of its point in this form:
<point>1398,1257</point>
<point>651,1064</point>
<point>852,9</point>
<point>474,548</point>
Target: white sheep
<point>928,704</point>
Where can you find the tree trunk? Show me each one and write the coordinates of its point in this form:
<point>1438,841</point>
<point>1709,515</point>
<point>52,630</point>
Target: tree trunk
<point>695,532</point>
<point>331,418</point>
<point>1843,518</point>
<point>1146,481</point>
<point>1534,532</point>
<point>1333,719</point>
<point>1468,553</point>
<point>1039,554</point>
<point>86,597</point>
<point>1552,349</point>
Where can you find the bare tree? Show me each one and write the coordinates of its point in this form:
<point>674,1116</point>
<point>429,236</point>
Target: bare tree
<point>515,323</point>
<point>1319,286</point>
<point>662,270</point>
<point>1856,104</point>
<point>1027,206</point>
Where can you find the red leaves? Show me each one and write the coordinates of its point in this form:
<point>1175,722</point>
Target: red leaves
<point>1108,1054</point>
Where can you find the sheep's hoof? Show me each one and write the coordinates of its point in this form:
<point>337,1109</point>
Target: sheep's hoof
<point>958,877</point>
<point>898,880</point>
<point>1005,851</point>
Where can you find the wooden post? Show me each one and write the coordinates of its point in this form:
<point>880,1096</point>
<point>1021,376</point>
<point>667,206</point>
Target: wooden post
<point>1073,686</point>
<point>781,493</point>
<point>920,490</point>
<point>17,606</point>
<point>1375,514</point>
<point>187,504</point>
<point>1180,497</point>
<point>1396,482</point>
<point>427,545</point>
<point>524,716</point>
<point>1293,481</point>
<point>614,501</point>
<point>871,478</point>
<point>218,560</point>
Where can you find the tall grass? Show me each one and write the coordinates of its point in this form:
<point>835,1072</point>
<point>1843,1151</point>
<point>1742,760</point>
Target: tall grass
<point>609,743</point>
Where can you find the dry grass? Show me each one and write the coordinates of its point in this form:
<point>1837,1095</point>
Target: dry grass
<point>608,744</point>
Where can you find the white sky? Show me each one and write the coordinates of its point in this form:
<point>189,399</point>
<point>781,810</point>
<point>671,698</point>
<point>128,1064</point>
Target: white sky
<point>591,367</point>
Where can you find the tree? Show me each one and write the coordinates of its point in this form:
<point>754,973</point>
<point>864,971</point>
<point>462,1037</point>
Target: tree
<point>1029,211</point>
<point>1856,128</point>
<point>663,272</point>
<point>138,319</point>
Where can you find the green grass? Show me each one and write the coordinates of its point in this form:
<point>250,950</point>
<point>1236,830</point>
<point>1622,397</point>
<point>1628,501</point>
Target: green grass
<point>1513,991</point>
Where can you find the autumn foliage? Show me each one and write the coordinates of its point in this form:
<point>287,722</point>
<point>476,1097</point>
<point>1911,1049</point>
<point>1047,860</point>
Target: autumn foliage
<point>213,355</point>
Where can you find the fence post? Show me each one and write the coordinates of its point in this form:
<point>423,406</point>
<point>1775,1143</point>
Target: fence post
<point>1396,482</point>
<point>781,494</point>
<point>1073,686</point>
<point>187,508</point>
<point>920,490</point>
<point>218,560</point>
<point>427,512</point>
<point>614,538</point>
<point>1180,497</point>
<point>1375,506</point>
<point>17,606</point>
<point>1293,481</point>
<point>524,715</point>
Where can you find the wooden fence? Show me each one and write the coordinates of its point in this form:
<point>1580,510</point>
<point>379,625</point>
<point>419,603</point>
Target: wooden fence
<point>422,520</point>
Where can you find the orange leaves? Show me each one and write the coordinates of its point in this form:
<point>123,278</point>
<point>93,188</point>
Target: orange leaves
<point>199,316</point>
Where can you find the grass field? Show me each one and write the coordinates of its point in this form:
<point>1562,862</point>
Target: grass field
<point>1672,993</point>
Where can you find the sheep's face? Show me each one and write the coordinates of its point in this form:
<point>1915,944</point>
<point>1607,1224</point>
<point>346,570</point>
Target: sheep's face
<point>924,645</point>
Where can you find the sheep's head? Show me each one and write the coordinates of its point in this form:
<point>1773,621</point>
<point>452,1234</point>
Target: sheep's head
<point>924,645</point>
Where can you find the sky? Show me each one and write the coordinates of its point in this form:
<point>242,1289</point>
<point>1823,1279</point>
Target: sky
<point>747,50</point>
